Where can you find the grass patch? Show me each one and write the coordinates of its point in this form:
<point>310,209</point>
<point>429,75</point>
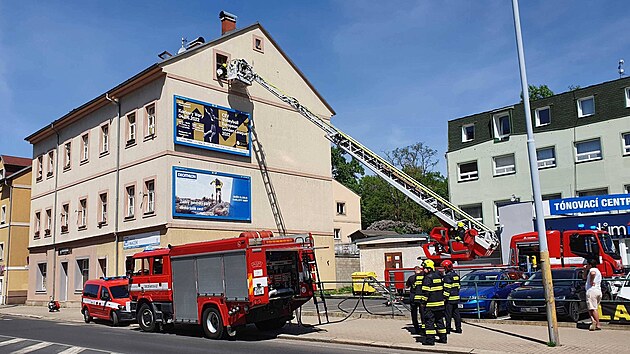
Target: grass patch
<point>551,344</point>
<point>342,290</point>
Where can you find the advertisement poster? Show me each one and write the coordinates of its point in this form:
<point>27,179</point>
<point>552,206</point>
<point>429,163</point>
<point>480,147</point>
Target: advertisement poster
<point>211,195</point>
<point>212,127</point>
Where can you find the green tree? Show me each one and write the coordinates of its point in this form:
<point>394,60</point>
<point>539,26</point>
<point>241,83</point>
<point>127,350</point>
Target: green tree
<point>344,171</point>
<point>538,92</point>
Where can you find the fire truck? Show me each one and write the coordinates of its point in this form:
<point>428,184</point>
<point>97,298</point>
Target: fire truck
<point>569,249</point>
<point>223,284</point>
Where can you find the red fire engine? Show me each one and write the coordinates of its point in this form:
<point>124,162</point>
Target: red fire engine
<point>223,284</point>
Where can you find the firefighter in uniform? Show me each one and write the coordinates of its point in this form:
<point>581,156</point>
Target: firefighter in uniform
<point>415,282</point>
<point>451,297</point>
<point>432,296</point>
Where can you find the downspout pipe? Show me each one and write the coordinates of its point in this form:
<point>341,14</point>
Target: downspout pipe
<point>116,101</point>
<point>54,212</point>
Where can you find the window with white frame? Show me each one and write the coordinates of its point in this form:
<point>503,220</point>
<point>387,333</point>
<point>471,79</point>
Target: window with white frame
<point>82,213</point>
<point>131,201</point>
<point>592,192</point>
<point>473,210</point>
<point>588,150</point>
<point>468,171</point>
<point>65,213</point>
<point>40,167</point>
<point>341,208</point>
<point>85,147</point>
<point>504,165</point>
<point>105,139</point>
<point>1,173</point>
<point>131,129</point>
<point>51,163</point>
<point>337,234</point>
<point>103,208</point>
<point>626,143</point>
<point>497,206</point>
<point>627,188</point>
<point>1,251</point>
<point>149,190</point>
<point>102,264</point>
<point>82,273</point>
<point>546,157</point>
<point>502,127</point>
<point>41,277</point>
<point>48,222</point>
<point>3,215</point>
<point>150,114</point>
<point>468,132</point>
<point>38,223</point>
<point>67,156</point>
<point>627,94</point>
<point>586,106</point>
<point>543,116</point>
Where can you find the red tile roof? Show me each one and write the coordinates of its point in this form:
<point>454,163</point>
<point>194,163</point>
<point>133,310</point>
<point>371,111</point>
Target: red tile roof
<point>16,161</point>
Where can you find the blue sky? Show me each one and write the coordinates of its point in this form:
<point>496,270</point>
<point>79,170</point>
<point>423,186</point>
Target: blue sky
<point>395,71</point>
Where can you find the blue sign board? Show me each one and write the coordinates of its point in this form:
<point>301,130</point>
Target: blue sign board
<point>211,195</point>
<point>617,225</point>
<point>594,204</point>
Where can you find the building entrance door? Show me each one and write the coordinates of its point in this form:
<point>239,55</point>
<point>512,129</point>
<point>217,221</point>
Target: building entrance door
<point>393,260</point>
<point>63,282</point>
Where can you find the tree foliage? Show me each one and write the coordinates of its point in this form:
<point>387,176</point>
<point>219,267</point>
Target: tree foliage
<point>344,171</point>
<point>538,92</point>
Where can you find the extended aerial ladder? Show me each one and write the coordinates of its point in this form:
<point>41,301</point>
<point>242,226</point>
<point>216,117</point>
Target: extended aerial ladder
<point>476,240</point>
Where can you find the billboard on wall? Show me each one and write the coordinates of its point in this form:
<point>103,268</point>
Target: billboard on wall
<point>592,204</point>
<point>208,126</point>
<point>211,195</point>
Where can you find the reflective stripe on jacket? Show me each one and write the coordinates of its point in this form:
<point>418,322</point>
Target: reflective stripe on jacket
<point>451,286</point>
<point>433,290</point>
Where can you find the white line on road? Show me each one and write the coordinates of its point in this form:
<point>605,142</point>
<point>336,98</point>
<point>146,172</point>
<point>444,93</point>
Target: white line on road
<point>72,350</point>
<point>32,348</point>
<point>12,341</point>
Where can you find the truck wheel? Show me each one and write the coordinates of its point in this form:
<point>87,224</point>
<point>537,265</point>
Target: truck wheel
<point>86,315</point>
<point>271,325</point>
<point>213,324</point>
<point>146,319</point>
<point>113,316</point>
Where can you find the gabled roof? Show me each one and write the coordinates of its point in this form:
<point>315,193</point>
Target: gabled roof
<point>15,161</point>
<point>153,72</point>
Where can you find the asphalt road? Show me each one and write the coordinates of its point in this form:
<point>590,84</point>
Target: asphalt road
<point>23,335</point>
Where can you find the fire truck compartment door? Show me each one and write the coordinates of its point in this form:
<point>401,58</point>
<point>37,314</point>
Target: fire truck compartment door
<point>235,265</point>
<point>184,289</point>
<point>210,275</point>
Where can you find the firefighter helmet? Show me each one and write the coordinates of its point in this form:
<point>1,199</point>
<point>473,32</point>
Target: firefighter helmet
<point>460,224</point>
<point>428,264</point>
<point>448,265</point>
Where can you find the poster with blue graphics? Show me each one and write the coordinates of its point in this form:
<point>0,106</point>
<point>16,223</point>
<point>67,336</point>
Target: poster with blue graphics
<point>211,195</point>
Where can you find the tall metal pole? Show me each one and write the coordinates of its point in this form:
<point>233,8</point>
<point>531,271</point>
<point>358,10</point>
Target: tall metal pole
<point>552,322</point>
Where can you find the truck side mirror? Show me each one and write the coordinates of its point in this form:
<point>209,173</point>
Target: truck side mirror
<point>129,265</point>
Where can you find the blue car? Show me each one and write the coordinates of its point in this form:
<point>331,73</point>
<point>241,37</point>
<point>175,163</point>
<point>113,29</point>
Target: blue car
<point>489,297</point>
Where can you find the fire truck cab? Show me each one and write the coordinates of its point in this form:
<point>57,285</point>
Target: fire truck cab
<point>223,284</point>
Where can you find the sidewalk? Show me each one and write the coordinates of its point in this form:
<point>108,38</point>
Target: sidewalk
<point>489,338</point>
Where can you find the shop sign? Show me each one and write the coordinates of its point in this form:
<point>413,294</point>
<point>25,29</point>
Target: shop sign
<point>141,240</point>
<point>64,251</point>
<point>615,312</point>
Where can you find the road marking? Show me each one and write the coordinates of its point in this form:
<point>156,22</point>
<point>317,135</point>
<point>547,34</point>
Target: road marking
<point>12,341</point>
<point>72,350</point>
<point>32,348</point>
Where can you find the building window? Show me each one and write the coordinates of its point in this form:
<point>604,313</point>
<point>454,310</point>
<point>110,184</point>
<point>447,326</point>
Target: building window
<point>51,163</point>
<point>337,234</point>
<point>501,126</point>
<point>468,132</point>
<point>149,191</point>
<point>341,208</point>
<point>221,60</point>
<point>38,223</point>
<point>586,106</point>
<point>626,144</point>
<point>131,199</point>
<point>543,116</point>
<point>65,213</point>
<point>1,251</point>
<point>627,188</point>
<point>48,222</point>
<point>104,139</point>
<point>468,171</point>
<point>552,196</point>
<point>41,277</point>
<point>258,43</point>
<point>83,213</point>
<point>592,192</point>
<point>473,210</point>
<point>82,273</point>
<point>131,129</point>
<point>1,173</point>
<point>504,165</point>
<point>85,147</point>
<point>627,94</point>
<point>497,205</point>
<point>103,209</point>
<point>150,123</point>
<point>102,264</point>
<point>3,215</point>
<point>588,150</point>
<point>40,167</point>
<point>546,157</point>
<point>67,156</point>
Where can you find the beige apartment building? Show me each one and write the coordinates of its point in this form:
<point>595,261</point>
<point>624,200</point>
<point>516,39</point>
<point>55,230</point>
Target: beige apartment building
<point>347,217</point>
<point>170,157</point>
<point>15,197</point>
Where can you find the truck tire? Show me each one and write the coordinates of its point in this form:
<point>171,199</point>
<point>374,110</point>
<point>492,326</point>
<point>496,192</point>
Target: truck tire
<point>213,323</point>
<point>146,318</point>
<point>271,325</point>
<point>86,315</point>
<point>113,316</point>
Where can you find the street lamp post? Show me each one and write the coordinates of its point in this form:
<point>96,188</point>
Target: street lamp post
<point>552,322</point>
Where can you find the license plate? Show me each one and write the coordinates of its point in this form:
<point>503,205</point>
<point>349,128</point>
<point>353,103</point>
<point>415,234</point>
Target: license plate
<point>460,306</point>
<point>529,309</point>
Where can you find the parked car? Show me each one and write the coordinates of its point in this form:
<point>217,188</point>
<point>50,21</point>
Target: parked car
<point>489,296</point>
<point>569,292</point>
<point>107,299</point>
